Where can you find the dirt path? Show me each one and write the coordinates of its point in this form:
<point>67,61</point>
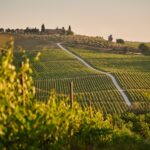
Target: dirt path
<point>126,99</point>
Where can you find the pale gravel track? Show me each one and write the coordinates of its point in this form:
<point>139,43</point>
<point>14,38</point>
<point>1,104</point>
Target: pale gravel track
<point>123,94</point>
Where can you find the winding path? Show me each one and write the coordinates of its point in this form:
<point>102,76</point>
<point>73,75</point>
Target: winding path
<point>126,99</point>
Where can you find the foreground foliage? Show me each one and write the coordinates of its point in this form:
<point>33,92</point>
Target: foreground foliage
<point>28,124</point>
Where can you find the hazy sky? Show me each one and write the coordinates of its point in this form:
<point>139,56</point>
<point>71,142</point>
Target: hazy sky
<point>127,19</point>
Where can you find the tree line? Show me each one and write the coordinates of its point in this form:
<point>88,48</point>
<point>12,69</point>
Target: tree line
<point>43,30</point>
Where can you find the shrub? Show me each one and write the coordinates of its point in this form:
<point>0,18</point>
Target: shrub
<point>120,41</point>
<point>110,38</point>
<point>144,48</point>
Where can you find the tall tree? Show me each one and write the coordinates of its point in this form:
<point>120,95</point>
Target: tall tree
<point>144,48</point>
<point>69,32</point>
<point>69,29</point>
<point>1,30</point>
<point>120,41</point>
<point>63,31</point>
<point>43,28</point>
<point>110,38</point>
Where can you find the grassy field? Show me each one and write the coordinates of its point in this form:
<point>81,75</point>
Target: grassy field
<point>132,71</point>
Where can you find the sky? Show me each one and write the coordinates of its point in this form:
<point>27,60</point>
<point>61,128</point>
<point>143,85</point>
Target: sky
<point>126,19</point>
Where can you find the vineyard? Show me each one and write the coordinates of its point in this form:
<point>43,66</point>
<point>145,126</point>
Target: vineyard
<point>97,91</point>
<point>132,72</point>
<point>40,108</point>
<point>56,69</point>
<point>54,63</point>
<point>75,75</point>
<point>30,124</point>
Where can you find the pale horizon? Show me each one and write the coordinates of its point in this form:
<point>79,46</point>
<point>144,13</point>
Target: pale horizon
<point>124,19</point>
